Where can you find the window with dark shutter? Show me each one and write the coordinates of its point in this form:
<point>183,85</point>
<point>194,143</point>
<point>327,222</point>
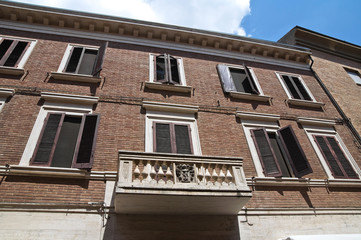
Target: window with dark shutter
<point>294,152</point>
<point>237,79</point>
<point>67,141</point>
<point>11,52</point>
<point>296,88</point>
<point>172,138</point>
<point>166,69</point>
<point>85,61</point>
<point>266,154</point>
<point>337,161</point>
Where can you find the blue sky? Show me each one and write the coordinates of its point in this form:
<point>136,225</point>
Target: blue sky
<point>262,19</point>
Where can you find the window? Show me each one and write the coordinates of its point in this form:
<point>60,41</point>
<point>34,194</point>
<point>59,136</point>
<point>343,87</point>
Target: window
<point>237,79</point>
<point>171,128</point>
<point>66,141</point>
<point>64,134</point>
<point>354,75</point>
<point>295,87</point>
<point>83,60</point>
<point>335,157</point>
<point>4,94</point>
<point>166,69</point>
<point>14,52</point>
<point>279,152</point>
<point>172,138</point>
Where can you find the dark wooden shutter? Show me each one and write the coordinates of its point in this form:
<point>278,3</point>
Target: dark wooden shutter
<point>295,154</point>
<point>100,59</point>
<point>173,70</point>
<point>45,147</point>
<point>250,80</point>
<point>224,75</point>
<point>162,137</point>
<point>183,139</point>
<point>84,153</point>
<point>266,154</point>
<point>161,73</point>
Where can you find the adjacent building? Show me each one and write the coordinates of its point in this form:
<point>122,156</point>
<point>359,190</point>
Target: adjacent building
<point>114,128</point>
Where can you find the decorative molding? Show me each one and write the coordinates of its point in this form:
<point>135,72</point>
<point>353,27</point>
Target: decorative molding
<point>12,71</point>
<point>258,116</point>
<point>304,103</point>
<point>68,98</point>
<point>5,92</point>
<point>168,87</point>
<point>298,211</point>
<point>316,121</point>
<point>249,96</point>
<point>75,77</point>
<point>54,172</point>
<point>169,107</point>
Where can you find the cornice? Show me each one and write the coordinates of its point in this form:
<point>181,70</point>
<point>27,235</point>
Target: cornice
<point>60,20</point>
<point>68,98</point>
<point>169,107</point>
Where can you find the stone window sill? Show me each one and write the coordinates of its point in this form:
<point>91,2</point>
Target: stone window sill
<point>168,87</point>
<point>12,71</point>
<point>304,103</point>
<point>249,96</point>
<point>75,77</point>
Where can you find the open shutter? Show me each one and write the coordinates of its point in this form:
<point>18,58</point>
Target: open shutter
<point>173,70</point>
<point>160,68</point>
<point>250,80</point>
<point>84,151</point>
<point>266,154</point>
<point>100,59</point>
<point>162,137</point>
<point>45,147</point>
<point>294,152</point>
<point>225,76</point>
<point>183,138</point>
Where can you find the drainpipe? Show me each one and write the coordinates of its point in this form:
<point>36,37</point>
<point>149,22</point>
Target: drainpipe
<point>345,119</point>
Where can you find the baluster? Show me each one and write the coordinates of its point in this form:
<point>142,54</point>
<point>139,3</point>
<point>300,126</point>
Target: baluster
<point>222,177</point>
<point>169,175</point>
<point>161,175</point>
<point>146,173</point>
<point>152,174</point>
<point>229,178</point>
<point>215,176</point>
<point>201,175</point>
<point>136,175</point>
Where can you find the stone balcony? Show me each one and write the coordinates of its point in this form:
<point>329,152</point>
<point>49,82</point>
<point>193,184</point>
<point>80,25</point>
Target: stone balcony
<point>158,183</point>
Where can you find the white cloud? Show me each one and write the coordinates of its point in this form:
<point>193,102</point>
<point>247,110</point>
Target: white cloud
<point>214,15</point>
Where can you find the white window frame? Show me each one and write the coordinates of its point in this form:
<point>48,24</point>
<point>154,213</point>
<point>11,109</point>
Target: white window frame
<point>66,56</point>
<point>354,74</point>
<point>170,117</point>
<point>27,53</point>
<point>53,107</point>
<point>329,131</point>
<point>4,94</point>
<point>152,58</point>
<point>289,95</point>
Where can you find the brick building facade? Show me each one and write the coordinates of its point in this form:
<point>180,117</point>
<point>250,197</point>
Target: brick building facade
<point>119,129</point>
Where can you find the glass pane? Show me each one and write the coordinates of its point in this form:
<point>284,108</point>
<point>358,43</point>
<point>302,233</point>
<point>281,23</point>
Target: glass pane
<point>355,76</point>
<point>74,60</point>
<point>280,158</point>
<point>291,87</point>
<point>4,47</point>
<point>240,80</point>
<point>301,88</point>
<point>174,70</point>
<point>15,54</point>
<point>87,62</point>
<point>64,151</point>
<point>160,68</point>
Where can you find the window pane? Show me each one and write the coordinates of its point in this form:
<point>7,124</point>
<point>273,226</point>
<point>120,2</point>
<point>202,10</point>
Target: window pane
<point>48,138</point>
<point>87,62</point>
<point>240,80</point>
<point>64,151</point>
<point>280,158</point>
<point>160,68</point>
<point>163,142</point>
<point>341,157</point>
<point>4,47</point>
<point>291,87</point>
<point>182,139</point>
<point>174,70</point>
<point>74,60</point>
<point>301,88</point>
<point>355,76</point>
<point>15,54</point>
<point>329,157</point>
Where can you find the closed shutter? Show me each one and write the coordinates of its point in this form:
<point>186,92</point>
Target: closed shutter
<point>268,159</point>
<point>47,141</point>
<point>100,59</point>
<point>297,157</point>
<point>250,80</point>
<point>162,137</point>
<point>225,76</point>
<point>84,153</point>
<point>335,158</point>
<point>183,139</point>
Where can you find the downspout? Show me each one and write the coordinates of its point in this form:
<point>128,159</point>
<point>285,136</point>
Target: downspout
<point>346,120</point>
